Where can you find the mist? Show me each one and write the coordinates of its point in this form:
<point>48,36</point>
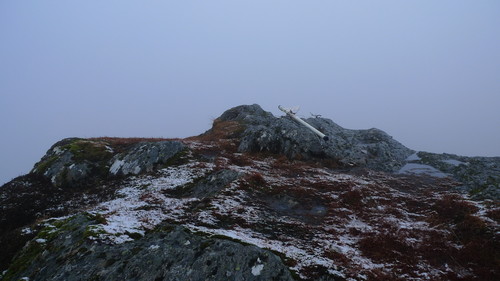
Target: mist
<point>426,72</point>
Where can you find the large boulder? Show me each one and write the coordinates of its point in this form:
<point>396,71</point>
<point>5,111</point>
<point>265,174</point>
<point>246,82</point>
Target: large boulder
<point>72,161</point>
<point>144,157</point>
<point>480,176</point>
<point>75,161</point>
<point>63,252</point>
<point>262,131</point>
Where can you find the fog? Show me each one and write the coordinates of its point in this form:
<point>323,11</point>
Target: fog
<point>426,72</point>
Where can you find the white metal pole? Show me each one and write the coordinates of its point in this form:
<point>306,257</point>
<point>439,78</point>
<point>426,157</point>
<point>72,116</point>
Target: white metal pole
<point>290,113</point>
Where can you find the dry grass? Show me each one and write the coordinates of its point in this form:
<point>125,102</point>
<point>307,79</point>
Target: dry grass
<point>221,130</point>
<point>121,144</point>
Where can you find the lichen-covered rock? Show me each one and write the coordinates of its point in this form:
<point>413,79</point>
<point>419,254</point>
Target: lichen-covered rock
<point>144,156</point>
<point>169,253</point>
<point>208,186</point>
<point>480,176</point>
<point>371,148</point>
<point>73,160</point>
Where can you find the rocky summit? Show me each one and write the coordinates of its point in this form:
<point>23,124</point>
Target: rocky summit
<point>256,197</point>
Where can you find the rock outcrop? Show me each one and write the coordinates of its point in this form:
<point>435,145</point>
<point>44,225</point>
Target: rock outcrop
<point>256,197</point>
<point>75,161</point>
<point>480,176</point>
<point>262,131</point>
<point>143,157</point>
<point>62,251</point>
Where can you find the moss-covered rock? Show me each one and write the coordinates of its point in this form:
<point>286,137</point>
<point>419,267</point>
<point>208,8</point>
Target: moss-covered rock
<point>144,157</point>
<point>168,253</point>
<point>480,176</point>
<point>72,161</point>
<point>76,162</point>
<point>260,131</point>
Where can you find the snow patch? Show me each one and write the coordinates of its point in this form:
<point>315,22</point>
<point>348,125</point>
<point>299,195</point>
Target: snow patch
<point>26,231</point>
<point>257,269</point>
<point>413,157</point>
<point>154,247</point>
<point>141,204</point>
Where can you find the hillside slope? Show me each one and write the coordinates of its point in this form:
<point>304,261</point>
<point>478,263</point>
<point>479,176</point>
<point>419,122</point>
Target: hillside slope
<point>254,198</point>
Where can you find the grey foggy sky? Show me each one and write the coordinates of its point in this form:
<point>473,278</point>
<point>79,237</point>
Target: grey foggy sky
<point>427,72</point>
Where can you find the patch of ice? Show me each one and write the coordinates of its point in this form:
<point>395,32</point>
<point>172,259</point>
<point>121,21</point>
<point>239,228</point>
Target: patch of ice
<point>57,150</point>
<point>41,241</point>
<point>154,247</point>
<point>137,170</point>
<point>257,269</point>
<point>26,231</point>
<point>413,157</point>
<point>413,168</point>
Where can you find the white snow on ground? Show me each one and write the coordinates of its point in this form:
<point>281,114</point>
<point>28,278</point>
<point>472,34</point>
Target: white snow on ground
<point>358,224</point>
<point>27,231</point>
<point>304,257</point>
<point>257,269</point>
<point>154,247</point>
<point>141,204</point>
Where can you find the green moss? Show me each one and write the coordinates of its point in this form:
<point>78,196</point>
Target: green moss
<point>42,166</point>
<point>164,228</point>
<point>179,158</point>
<point>96,154</point>
<point>96,217</point>
<point>186,189</point>
<point>110,262</point>
<point>54,228</point>
<point>88,150</point>
<point>92,231</point>
<point>48,233</point>
<point>134,235</point>
<point>136,250</point>
<point>23,260</point>
<point>95,277</point>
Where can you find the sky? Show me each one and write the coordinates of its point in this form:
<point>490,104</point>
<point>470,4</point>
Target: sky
<point>426,72</point>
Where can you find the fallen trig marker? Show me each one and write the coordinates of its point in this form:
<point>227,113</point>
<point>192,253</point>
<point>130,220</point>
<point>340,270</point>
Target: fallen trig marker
<point>291,114</point>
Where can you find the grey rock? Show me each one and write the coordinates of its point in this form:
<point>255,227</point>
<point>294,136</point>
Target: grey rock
<point>480,176</point>
<point>169,253</point>
<point>73,160</point>
<point>206,187</point>
<point>419,169</point>
<point>371,148</point>
<point>144,156</point>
